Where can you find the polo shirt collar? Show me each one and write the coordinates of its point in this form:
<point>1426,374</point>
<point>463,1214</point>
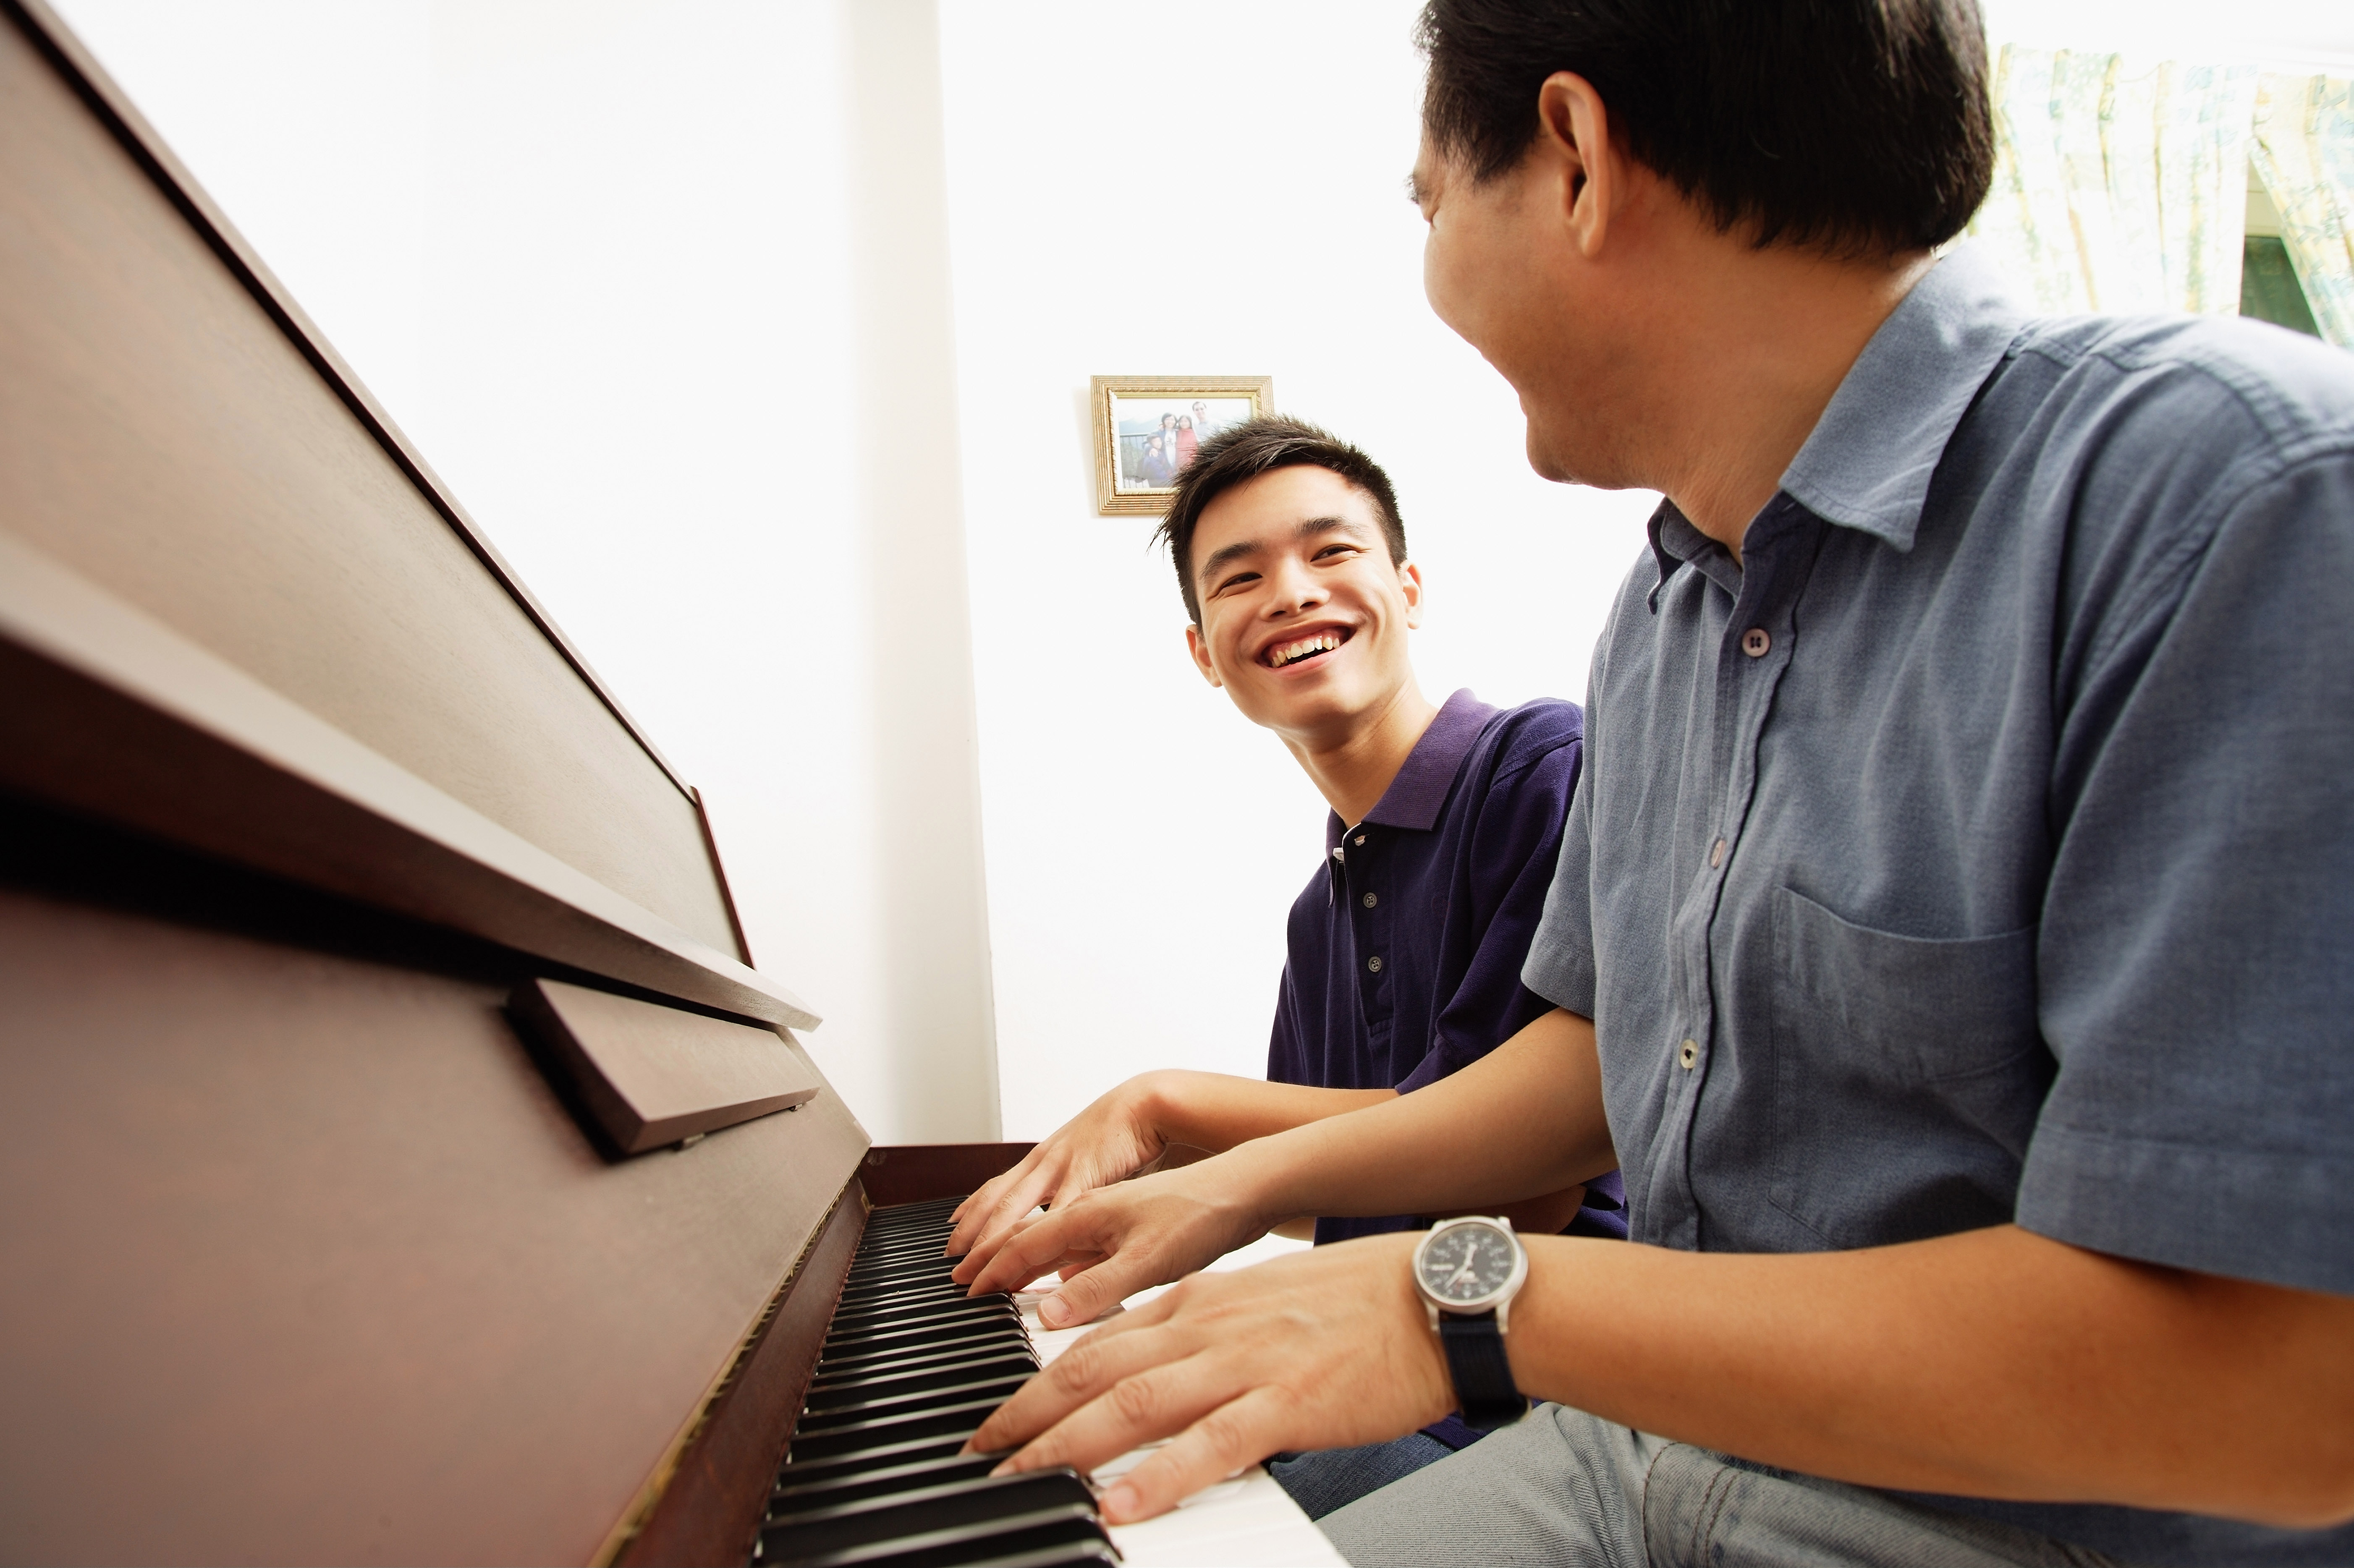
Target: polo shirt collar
<point>1868,461</point>
<point>1419,791</point>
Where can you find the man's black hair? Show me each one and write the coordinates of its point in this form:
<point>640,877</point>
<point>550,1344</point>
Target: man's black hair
<point>1260,446</point>
<point>1855,126</point>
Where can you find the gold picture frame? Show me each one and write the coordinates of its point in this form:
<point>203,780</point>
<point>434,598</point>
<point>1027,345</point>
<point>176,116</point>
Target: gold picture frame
<point>1135,474</point>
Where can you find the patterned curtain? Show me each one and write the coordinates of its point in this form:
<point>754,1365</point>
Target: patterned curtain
<point>2305,154</point>
<point>2120,186</point>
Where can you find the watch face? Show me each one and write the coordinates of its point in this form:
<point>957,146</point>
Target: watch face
<point>1467,1263</point>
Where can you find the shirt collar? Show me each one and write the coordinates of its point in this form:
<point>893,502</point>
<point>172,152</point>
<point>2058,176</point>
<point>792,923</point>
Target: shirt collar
<point>1868,463</point>
<point>1414,796</point>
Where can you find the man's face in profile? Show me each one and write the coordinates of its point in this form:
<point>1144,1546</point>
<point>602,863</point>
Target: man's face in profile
<point>1304,616</point>
<point>1499,268</point>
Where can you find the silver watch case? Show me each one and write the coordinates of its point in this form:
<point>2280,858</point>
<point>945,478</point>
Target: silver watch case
<point>1499,1300</point>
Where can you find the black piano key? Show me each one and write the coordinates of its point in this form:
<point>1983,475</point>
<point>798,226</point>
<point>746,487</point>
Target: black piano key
<point>808,1469</point>
<point>928,1244</point>
<point>905,1290</point>
<point>886,1385</point>
<point>864,1325</point>
<point>798,1494</point>
<point>852,1357</point>
<point>940,1505</point>
<point>893,1238</point>
<point>959,1420</point>
<point>947,1359</point>
<point>905,1298</point>
<point>998,1389</point>
<point>887,1270</point>
<point>912,1276</point>
<point>936,1536</point>
<point>923,1206</point>
<point>1074,1554</point>
<point>927,1293</point>
<point>1017,1537</point>
<point>935,1356</point>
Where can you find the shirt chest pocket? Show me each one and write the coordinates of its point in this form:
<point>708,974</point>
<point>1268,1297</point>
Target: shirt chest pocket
<point>1908,1072</point>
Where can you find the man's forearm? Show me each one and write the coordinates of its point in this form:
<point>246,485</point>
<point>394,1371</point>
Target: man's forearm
<point>1524,1121</point>
<point>1217,1112</point>
<point>1992,1363</point>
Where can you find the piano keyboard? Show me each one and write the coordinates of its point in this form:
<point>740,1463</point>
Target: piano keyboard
<point>874,1475</point>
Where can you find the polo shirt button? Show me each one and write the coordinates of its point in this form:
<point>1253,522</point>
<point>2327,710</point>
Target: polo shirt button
<point>1716,854</point>
<point>1361,838</point>
<point>1375,964</point>
<point>1371,901</point>
<point>1689,1055</point>
<point>1754,643</point>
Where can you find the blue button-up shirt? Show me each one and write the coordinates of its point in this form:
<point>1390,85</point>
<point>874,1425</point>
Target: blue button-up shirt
<point>1980,846</point>
<point>1404,952</point>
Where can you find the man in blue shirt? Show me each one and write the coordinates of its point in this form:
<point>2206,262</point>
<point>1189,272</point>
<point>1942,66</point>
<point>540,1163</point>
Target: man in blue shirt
<point>1404,953</point>
<point>1954,933</point>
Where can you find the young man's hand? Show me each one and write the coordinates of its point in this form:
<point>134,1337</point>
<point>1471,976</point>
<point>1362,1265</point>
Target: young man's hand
<point>1319,1350</point>
<point>1129,1129</point>
<point>1118,1240</point>
<point>1109,1141</point>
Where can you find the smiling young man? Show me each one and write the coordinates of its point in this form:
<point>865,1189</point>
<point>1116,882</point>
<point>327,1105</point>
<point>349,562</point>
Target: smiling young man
<point>1404,954</point>
<point>1953,932</point>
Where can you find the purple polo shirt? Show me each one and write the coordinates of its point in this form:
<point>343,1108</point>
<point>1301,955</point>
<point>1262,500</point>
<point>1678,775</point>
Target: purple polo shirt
<point>1407,948</point>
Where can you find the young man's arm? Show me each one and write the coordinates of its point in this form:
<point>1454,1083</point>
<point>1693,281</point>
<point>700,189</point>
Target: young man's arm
<point>1994,1363</point>
<point>1535,1103</point>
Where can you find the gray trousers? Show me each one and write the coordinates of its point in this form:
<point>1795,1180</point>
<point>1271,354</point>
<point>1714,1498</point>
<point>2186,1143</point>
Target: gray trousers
<point>1561,1488</point>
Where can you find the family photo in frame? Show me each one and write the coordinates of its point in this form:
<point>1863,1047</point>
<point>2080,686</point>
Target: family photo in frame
<point>1146,428</point>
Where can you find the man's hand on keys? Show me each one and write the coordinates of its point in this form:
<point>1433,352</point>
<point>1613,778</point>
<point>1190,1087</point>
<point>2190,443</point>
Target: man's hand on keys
<point>1109,1141</point>
<point>1116,1241</point>
<point>1321,1350</point>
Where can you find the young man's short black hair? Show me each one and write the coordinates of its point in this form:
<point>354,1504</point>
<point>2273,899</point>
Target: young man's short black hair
<point>1857,126</point>
<point>1260,446</point>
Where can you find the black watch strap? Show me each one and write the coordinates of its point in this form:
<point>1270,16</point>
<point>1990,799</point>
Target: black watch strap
<point>1482,1374</point>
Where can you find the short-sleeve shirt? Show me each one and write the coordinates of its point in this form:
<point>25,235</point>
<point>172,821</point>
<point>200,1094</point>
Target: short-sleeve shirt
<point>1980,846</point>
<point>1404,953</point>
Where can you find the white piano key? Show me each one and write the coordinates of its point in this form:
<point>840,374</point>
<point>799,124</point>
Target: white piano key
<point>1246,1521</point>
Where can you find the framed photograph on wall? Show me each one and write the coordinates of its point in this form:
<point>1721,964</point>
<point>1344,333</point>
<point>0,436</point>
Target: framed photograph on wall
<point>1146,428</point>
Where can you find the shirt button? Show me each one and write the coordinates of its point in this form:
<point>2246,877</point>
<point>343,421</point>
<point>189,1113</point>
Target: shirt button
<point>1716,854</point>
<point>1689,1055</point>
<point>1375,964</point>
<point>1371,901</point>
<point>1361,838</point>
<point>1339,853</point>
<point>1754,643</point>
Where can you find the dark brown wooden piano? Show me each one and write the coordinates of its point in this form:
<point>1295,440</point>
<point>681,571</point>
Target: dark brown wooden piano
<point>402,1159</point>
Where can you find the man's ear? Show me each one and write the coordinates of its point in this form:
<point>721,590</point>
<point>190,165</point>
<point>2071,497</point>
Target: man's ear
<point>1574,129</point>
<point>1200,649</point>
<point>1410,584</point>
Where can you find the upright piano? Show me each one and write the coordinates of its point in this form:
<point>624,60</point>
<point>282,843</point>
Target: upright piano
<point>403,1160</point>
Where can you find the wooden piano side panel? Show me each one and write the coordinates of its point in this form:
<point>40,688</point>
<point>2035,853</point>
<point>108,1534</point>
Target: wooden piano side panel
<point>307,1263</point>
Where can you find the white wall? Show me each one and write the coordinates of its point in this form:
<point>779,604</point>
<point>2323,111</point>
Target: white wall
<point>610,263</point>
<point>1224,196</point>
<point>780,409</point>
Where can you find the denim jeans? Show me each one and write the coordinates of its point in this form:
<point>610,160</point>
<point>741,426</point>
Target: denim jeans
<point>1561,1488</point>
<point>1329,1478</point>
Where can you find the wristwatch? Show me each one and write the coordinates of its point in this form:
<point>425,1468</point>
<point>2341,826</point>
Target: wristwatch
<point>1469,1270</point>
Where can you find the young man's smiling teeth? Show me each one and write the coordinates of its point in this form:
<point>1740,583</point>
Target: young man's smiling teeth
<point>1306,647</point>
